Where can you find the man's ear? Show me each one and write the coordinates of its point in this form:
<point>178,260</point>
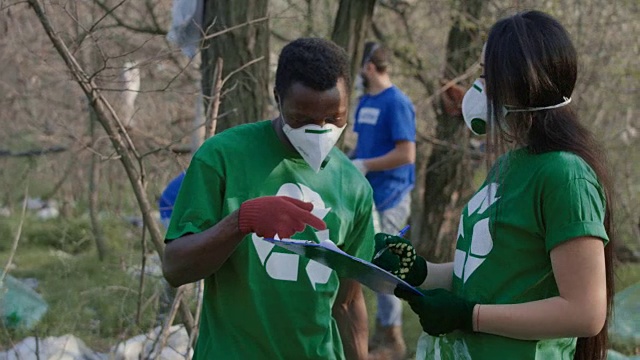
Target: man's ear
<point>275,96</point>
<point>371,68</point>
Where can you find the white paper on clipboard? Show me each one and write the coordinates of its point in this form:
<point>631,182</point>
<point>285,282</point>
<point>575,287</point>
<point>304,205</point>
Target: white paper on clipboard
<point>347,266</point>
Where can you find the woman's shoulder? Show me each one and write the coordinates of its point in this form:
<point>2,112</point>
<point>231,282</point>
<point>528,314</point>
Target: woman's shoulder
<point>565,165</point>
<point>557,167</point>
<point>554,169</point>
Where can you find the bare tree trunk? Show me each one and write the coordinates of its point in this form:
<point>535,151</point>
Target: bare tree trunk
<point>350,29</point>
<point>448,178</point>
<point>246,97</point>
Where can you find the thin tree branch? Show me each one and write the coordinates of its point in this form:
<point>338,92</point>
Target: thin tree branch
<point>16,239</point>
<point>142,274</point>
<point>244,66</point>
<point>250,22</point>
<point>194,333</point>
<point>124,24</point>
<point>161,339</point>
<point>211,117</point>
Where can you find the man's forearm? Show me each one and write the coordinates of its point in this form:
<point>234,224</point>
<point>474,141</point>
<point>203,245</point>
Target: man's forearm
<point>351,318</point>
<point>196,256</point>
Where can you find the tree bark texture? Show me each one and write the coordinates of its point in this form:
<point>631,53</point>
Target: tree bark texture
<point>448,181</point>
<point>246,94</point>
<point>350,29</point>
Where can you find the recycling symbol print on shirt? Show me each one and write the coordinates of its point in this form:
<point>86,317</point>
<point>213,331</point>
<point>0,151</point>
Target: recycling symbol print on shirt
<point>284,266</point>
<point>467,262</point>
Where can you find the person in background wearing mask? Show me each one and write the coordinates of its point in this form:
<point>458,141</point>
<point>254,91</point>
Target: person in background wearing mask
<point>284,178</point>
<point>532,276</point>
<point>385,153</point>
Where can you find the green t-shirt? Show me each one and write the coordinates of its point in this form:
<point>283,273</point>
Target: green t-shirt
<point>527,205</point>
<point>266,302</point>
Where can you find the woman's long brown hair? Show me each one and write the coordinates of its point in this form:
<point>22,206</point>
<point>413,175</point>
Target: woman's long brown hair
<point>530,61</point>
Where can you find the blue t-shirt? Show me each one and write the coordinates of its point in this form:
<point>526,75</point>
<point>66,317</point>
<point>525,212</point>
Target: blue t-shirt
<point>168,197</point>
<point>381,121</point>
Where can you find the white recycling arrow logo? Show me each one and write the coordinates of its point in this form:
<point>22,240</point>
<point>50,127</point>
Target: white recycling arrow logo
<point>466,263</point>
<point>284,266</point>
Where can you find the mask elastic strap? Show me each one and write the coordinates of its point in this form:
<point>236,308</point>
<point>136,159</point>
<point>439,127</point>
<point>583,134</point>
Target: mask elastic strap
<point>281,113</point>
<point>564,103</point>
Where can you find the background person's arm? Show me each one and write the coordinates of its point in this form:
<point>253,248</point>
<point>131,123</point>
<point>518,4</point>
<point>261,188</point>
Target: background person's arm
<point>350,313</point>
<point>402,154</point>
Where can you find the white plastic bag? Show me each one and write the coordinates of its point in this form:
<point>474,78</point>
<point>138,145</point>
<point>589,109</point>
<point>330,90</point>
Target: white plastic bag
<point>186,25</point>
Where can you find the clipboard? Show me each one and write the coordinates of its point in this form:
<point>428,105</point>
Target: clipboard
<point>347,266</point>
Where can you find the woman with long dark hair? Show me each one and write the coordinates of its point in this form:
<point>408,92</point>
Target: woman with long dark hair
<point>532,276</point>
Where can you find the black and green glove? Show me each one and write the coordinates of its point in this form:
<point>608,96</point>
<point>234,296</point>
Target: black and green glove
<point>396,255</point>
<point>439,310</point>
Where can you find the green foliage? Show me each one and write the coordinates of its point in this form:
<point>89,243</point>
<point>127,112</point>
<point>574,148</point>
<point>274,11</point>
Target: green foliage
<point>72,236</point>
<point>627,274</point>
<point>6,233</point>
<point>96,301</point>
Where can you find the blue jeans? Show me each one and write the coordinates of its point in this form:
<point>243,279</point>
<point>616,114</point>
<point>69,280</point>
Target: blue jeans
<point>391,221</point>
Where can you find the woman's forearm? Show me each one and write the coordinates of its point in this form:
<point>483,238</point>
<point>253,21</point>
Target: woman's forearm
<point>438,276</point>
<point>544,319</point>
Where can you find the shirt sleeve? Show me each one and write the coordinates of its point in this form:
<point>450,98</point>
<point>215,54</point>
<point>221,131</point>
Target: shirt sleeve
<point>199,202</point>
<point>360,241</point>
<point>356,125</point>
<point>574,210</point>
<point>403,123</point>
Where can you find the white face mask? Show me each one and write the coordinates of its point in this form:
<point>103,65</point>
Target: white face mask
<point>313,142</point>
<point>474,108</point>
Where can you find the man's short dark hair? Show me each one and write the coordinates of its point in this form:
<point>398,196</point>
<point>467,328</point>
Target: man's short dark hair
<point>315,63</point>
<point>377,54</point>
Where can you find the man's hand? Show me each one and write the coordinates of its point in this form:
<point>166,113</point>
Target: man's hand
<point>359,164</point>
<point>396,255</point>
<point>270,215</point>
<point>439,310</point>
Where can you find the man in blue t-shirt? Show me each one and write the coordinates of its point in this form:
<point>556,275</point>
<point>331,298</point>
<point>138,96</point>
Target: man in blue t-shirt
<point>385,153</point>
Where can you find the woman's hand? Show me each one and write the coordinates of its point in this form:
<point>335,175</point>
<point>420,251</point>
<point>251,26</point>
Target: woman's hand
<point>439,310</point>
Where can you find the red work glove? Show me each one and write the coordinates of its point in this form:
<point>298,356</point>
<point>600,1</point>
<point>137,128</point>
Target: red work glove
<point>270,215</point>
